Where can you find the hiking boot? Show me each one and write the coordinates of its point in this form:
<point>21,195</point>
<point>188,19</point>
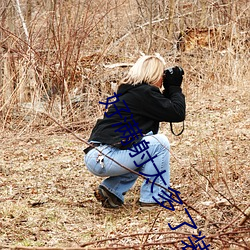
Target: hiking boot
<point>107,199</point>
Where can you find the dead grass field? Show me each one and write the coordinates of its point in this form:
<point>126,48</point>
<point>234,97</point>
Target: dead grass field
<point>46,193</point>
<point>55,57</point>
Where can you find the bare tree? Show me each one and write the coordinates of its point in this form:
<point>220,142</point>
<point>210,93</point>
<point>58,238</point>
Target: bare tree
<point>6,62</point>
<point>171,19</point>
<point>150,10</point>
<point>27,85</point>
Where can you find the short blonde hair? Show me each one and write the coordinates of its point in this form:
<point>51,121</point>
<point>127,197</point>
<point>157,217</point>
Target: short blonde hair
<point>148,69</point>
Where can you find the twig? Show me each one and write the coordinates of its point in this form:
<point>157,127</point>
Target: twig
<point>19,11</point>
<point>218,190</point>
<point>136,234</point>
<point>223,179</point>
<point>216,236</point>
<point>38,248</point>
<point>227,226</point>
<point>111,66</point>
<point>147,235</point>
<point>245,218</point>
<point>81,247</point>
<point>236,244</point>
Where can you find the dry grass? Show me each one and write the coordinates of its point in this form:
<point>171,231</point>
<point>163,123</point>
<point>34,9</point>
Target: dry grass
<point>46,196</point>
<point>46,192</point>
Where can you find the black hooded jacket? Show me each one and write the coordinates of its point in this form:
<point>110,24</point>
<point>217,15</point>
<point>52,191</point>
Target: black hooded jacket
<point>147,105</point>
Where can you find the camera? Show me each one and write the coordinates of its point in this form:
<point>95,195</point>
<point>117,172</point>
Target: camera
<point>173,76</point>
<point>168,73</point>
<point>171,70</point>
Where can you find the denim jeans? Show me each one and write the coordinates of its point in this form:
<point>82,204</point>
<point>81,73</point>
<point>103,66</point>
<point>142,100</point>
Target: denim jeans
<point>120,180</point>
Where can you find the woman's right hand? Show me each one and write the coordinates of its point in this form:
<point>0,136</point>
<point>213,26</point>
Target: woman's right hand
<point>173,77</point>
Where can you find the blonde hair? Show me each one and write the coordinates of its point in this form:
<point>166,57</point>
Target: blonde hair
<point>148,69</point>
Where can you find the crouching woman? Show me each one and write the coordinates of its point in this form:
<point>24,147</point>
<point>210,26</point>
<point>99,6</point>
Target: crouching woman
<point>128,133</point>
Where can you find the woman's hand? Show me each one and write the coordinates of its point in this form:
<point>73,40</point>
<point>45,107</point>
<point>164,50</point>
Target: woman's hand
<point>173,77</point>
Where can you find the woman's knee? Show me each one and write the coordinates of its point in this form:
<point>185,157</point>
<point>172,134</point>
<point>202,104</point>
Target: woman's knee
<point>161,139</point>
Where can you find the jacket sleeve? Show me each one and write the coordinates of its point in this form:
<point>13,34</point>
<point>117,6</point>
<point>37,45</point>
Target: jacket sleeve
<point>169,107</point>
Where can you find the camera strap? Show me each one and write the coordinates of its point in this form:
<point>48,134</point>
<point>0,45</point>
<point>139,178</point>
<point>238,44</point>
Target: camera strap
<point>172,130</point>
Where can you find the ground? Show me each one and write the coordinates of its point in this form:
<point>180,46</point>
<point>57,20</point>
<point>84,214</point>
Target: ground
<point>46,192</point>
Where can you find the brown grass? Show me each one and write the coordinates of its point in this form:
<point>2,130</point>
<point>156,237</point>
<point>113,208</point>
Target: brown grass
<point>46,193</point>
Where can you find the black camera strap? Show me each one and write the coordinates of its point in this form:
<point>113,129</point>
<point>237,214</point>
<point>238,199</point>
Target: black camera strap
<point>172,130</point>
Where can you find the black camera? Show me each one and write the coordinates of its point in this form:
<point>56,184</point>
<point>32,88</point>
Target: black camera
<point>171,70</point>
<point>173,76</point>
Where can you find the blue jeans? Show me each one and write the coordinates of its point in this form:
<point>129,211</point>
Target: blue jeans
<point>120,180</point>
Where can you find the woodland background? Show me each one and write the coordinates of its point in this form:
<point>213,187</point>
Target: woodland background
<point>58,59</point>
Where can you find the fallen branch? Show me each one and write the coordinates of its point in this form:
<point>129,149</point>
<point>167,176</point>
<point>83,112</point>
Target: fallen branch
<point>179,238</point>
<point>246,217</point>
<point>115,65</point>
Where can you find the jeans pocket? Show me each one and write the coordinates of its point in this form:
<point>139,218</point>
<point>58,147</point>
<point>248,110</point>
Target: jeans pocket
<point>95,161</point>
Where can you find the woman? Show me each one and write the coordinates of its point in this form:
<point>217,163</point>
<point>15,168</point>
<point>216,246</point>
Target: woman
<point>128,133</point>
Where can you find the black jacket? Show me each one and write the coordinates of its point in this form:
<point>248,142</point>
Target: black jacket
<point>148,107</point>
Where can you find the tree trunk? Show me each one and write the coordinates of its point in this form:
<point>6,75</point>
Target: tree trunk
<point>6,66</point>
<point>150,10</point>
<point>171,20</point>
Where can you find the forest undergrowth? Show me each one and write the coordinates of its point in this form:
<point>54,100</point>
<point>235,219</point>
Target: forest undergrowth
<point>46,191</point>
